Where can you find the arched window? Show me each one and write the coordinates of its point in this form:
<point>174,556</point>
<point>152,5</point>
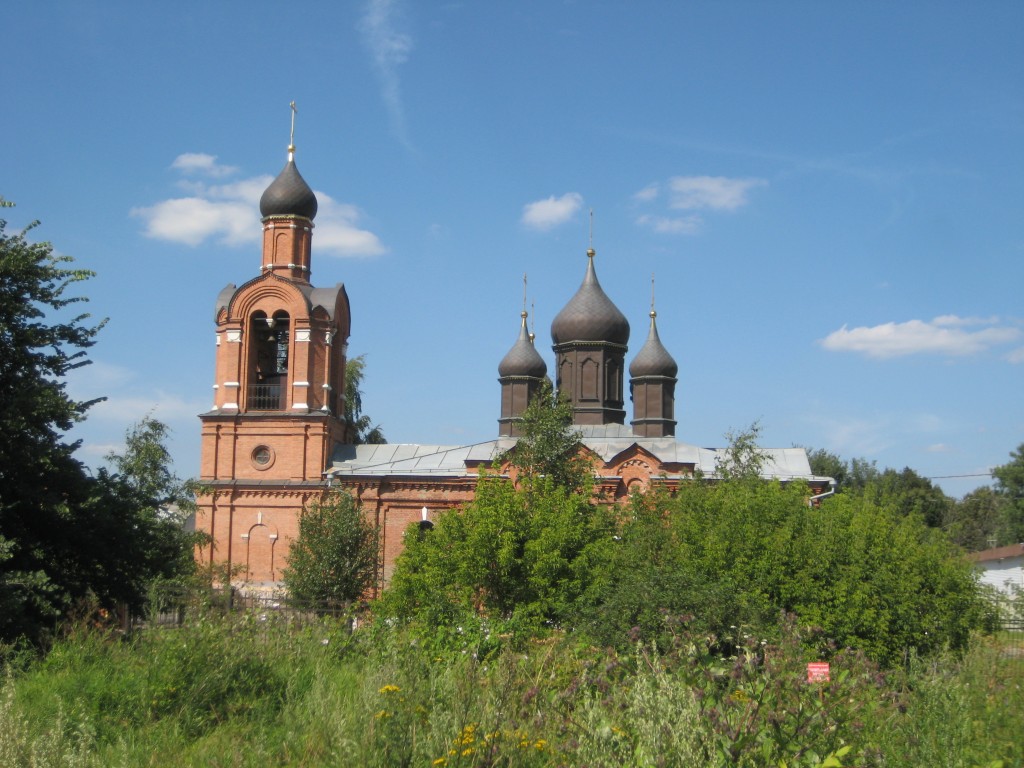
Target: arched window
<point>269,338</point>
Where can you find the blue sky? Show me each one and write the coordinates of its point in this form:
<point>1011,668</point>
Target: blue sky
<point>829,196</point>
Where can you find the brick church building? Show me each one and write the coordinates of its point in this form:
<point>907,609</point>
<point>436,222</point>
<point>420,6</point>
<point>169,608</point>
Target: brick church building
<point>275,438</point>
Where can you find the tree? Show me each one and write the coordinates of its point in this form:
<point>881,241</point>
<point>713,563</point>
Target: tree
<point>527,554</point>
<point>975,522</point>
<point>549,445</point>
<point>66,535</point>
<point>362,430</point>
<point>334,558</point>
<point>854,572</point>
<point>742,458</point>
<point>41,483</point>
<point>911,494</point>
<point>1010,486</point>
<point>161,501</point>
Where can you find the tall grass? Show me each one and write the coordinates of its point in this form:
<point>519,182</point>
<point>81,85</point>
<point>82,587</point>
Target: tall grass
<point>251,692</point>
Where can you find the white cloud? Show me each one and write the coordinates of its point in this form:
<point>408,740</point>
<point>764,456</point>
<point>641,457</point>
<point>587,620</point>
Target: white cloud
<point>545,214</point>
<point>716,193</point>
<point>648,193</point>
<point>945,335</point>
<point>690,194</point>
<point>337,231</point>
<point>390,48</point>
<point>1016,356</point>
<point>229,214</point>
<point>201,163</point>
<point>686,225</point>
<point>191,220</point>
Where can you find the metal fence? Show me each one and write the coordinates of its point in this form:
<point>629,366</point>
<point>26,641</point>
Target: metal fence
<point>172,605</point>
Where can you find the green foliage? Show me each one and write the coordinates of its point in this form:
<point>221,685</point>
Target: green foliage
<point>1010,486</point>
<point>742,458</point>
<point>66,536</point>
<point>362,430</point>
<point>334,558</point>
<point>246,692</point>
<point>549,446</point>
<point>975,522</point>
<point>525,556</point>
<point>864,576</point>
<point>40,480</point>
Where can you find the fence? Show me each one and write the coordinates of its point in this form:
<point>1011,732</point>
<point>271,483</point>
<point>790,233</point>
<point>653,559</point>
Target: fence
<point>172,605</point>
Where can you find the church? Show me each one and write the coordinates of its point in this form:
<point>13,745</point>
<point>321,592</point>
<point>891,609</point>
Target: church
<point>275,438</point>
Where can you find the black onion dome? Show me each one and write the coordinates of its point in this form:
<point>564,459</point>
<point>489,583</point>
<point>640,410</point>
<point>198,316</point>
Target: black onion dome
<point>523,359</point>
<point>653,359</point>
<point>590,315</point>
<point>288,195</point>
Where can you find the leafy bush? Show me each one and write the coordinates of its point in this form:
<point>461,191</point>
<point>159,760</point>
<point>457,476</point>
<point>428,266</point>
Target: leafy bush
<point>742,553</point>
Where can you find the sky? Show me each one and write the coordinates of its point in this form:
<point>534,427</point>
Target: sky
<point>828,196</point>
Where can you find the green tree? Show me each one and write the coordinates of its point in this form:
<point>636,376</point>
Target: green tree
<point>1010,486</point>
<point>66,535</point>
<point>362,430</point>
<point>527,554</point>
<point>742,458</point>
<point>855,573</point>
<point>41,482</point>
<point>161,501</point>
<point>975,522</point>
<point>334,558</point>
<point>549,445</point>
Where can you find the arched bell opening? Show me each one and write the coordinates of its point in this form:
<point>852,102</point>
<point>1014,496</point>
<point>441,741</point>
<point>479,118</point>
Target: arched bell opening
<point>269,358</point>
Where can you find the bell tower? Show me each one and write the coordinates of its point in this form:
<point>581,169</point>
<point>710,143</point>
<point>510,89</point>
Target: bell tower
<point>278,387</point>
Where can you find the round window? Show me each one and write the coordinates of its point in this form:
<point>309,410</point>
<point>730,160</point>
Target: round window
<point>262,456</point>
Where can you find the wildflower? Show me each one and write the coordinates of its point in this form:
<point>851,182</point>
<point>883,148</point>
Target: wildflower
<point>382,715</point>
<point>440,761</point>
<point>389,689</point>
<point>540,744</point>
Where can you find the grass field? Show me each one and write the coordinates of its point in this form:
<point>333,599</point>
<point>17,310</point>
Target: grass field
<point>252,690</point>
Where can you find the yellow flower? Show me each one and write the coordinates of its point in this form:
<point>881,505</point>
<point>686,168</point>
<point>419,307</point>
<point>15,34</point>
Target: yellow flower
<point>540,744</point>
<point>467,751</point>
<point>440,761</point>
<point>389,689</point>
<point>382,715</point>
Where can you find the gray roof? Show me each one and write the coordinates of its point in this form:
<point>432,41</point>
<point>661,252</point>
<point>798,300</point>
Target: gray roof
<point>607,441</point>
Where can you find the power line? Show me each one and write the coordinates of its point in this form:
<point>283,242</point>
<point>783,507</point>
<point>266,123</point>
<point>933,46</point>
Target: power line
<point>948,477</point>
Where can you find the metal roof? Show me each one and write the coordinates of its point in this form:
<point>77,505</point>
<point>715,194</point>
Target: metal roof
<point>607,441</point>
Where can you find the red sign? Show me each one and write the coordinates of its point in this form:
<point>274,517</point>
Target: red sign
<point>818,672</point>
